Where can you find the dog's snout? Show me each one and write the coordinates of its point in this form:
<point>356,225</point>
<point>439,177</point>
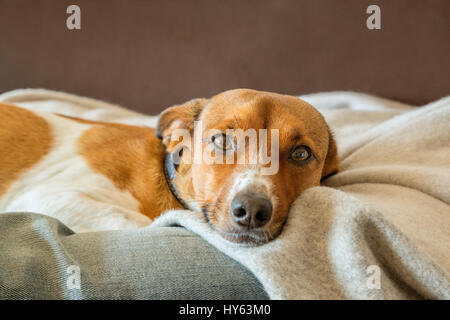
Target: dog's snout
<point>251,210</point>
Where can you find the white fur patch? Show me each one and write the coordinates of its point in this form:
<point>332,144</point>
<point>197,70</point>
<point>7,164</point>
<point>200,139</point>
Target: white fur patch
<point>253,180</point>
<point>62,185</point>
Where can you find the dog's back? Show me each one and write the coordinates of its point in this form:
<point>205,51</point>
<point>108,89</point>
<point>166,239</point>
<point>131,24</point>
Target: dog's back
<point>90,175</point>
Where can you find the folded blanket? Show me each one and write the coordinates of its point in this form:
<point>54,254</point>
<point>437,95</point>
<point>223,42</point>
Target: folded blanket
<point>380,229</point>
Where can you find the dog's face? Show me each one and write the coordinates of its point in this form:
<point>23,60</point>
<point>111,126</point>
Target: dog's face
<point>241,202</point>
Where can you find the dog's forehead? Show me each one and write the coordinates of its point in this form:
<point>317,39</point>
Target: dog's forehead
<point>257,109</point>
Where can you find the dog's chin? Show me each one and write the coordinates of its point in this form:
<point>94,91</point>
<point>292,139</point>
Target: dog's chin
<point>250,238</point>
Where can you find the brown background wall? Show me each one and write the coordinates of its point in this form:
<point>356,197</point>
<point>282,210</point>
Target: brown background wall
<point>147,55</point>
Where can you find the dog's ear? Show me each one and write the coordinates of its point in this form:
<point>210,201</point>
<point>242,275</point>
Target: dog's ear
<point>332,164</point>
<point>179,117</point>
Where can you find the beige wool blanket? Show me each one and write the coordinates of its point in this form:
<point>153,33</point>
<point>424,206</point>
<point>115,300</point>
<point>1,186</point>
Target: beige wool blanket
<point>380,229</point>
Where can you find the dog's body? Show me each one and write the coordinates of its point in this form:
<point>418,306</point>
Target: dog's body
<point>103,176</point>
<point>91,176</point>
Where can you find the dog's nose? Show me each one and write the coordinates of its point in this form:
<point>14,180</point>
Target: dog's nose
<point>250,209</point>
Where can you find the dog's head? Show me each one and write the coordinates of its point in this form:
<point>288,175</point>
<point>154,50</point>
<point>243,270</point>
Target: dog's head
<point>247,201</point>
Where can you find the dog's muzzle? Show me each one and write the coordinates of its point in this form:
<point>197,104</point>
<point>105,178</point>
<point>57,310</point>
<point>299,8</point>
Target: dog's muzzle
<point>251,210</point>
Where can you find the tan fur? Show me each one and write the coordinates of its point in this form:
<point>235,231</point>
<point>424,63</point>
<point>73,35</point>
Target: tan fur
<point>132,157</point>
<point>25,139</point>
<point>298,123</point>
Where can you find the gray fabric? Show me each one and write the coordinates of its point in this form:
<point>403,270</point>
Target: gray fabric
<point>157,263</point>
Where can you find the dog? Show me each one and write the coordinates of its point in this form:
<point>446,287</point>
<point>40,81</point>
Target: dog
<point>95,175</point>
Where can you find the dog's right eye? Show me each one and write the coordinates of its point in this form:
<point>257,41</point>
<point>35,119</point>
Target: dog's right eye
<point>222,142</point>
<point>300,154</point>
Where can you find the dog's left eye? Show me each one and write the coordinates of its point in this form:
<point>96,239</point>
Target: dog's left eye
<point>222,142</point>
<point>300,153</point>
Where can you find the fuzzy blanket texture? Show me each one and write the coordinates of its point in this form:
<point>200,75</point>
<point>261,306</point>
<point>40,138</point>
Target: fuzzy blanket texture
<point>380,229</point>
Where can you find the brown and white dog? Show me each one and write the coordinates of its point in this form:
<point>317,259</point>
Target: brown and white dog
<point>103,176</point>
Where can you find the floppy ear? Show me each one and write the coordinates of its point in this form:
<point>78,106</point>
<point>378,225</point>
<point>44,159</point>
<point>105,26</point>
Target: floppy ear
<point>332,164</point>
<point>179,117</point>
